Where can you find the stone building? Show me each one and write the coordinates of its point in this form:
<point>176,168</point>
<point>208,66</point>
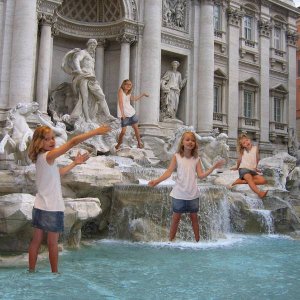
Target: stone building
<point>298,81</point>
<point>238,57</point>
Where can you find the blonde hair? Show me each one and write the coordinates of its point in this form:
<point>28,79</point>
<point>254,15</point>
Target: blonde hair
<point>36,145</point>
<point>180,148</point>
<point>123,86</point>
<point>239,147</point>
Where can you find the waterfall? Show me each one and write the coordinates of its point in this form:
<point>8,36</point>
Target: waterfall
<point>142,213</point>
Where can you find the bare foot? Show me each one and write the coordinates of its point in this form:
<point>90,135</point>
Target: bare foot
<point>140,146</point>
<point>262,194</point>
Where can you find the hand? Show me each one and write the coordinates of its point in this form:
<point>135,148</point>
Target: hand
<point>103,129</point>
<point>152,183</point>
<point>219,164</point>
<point>81,158</point>
<point>145,94</point>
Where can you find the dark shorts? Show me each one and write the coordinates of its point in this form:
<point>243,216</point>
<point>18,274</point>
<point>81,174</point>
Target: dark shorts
<point>245,171</point>
<point>52,221</point>
<point>129,121</point>
<point>185,206</point>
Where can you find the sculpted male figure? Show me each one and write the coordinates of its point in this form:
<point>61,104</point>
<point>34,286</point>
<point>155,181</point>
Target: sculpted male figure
<point>91,99</point>
<point>171,84</point>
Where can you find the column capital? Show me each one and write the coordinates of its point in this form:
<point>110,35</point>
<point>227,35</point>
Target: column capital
<point>126,38</point>
<point>102,42</point>
<point>234,16</point>
<point>291,37</point>
<point>265,28</point>
<point>46,19</point>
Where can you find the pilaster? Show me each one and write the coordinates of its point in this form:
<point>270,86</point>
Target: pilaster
<point>234,20</point>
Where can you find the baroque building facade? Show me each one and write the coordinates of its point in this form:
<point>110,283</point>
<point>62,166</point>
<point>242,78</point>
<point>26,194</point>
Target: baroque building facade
<point>238,57</point>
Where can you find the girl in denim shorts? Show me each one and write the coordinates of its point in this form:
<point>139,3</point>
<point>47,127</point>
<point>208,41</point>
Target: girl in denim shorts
<point>247,166</point>
<point>185,194</point>
<point>48,210</point>
<point>126,112</point>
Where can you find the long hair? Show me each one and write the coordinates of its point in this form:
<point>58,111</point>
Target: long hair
<point>123,86</point>
<point>239,147</point>
<point>180,148</point>
<point>36,145</point>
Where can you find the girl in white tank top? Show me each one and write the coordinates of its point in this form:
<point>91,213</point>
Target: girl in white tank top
<point>247,166</point>
<point>185,194</point>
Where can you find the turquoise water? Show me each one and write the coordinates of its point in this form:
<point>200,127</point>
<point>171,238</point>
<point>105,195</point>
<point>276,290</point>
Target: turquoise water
<point>240,267</point>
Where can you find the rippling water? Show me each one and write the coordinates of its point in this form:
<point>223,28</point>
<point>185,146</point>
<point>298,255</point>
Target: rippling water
<point>238,267</point>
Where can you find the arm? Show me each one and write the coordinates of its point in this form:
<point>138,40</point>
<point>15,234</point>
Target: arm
<point>202,174</point>
<point>120,101</point>
<point>238,162</point>
<point>79,159</point>
<point>136,98</point>
<point>53,154</point>
<point>166,174</point>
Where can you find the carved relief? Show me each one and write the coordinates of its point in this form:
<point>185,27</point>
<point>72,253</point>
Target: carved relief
<point>174,14</point>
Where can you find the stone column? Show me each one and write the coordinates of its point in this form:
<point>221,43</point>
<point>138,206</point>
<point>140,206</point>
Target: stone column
<point>151,64</point>
<point>234,19</point>
<point>125,40</point>
<point>291,56</point>
<point>23,52</point>
<point>7,18</point>
<point>99,63</point>
<point>264,31</point>
<point>44,62</point>
<point>206,68</point>
<point>195,62</point>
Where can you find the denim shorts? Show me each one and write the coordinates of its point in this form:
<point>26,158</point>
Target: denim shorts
<point>244,171</point>
<point>185,206</point>
<point>52,221</point>
<point>129,121</point>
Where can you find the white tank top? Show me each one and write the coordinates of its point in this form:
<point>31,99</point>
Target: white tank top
<point>129,111</point>
<point>249,159</point>
<point>49,195</point>
<point>186,183</point>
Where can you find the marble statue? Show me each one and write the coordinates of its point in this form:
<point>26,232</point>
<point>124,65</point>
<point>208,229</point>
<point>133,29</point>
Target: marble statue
<point>59,128</point>
<point>171,84</point>
<point>91,104</point>
<point>17,133</point>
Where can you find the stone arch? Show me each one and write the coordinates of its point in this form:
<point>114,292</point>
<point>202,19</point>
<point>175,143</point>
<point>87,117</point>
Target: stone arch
<point>98,11</point>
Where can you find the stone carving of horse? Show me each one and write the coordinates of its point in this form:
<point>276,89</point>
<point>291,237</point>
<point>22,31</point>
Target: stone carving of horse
<point>17,133</point>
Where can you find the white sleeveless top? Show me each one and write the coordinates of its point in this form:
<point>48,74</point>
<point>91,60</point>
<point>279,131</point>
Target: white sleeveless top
<point>186,183</point>
<point>249,159</point>
<point>49,195</point>
<point>129,111</point>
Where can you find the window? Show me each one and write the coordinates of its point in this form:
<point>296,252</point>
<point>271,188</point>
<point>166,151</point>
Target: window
<point>217,98</point>
<point>217,17</point>
<point>277,38</point>
<point>248,104</point>
<point>248,21</point>
<point>278,109</point>
<point>298,62</point>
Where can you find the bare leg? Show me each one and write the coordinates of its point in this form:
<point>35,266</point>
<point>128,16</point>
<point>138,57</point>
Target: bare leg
<point>250,180</point>
<point>175,222</point>
<point>120,138</point>
<point>238,181</point>
<point>52,242</point>
<point>34,248</point>
<point>258,180</point>
<point>195,225</point>
<point>137,134</point>
<point>85,96</point>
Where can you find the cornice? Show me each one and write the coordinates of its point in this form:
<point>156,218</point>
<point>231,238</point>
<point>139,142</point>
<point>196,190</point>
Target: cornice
<point>48,6</point>
<point>112,30</point>
<point>173,40</point>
